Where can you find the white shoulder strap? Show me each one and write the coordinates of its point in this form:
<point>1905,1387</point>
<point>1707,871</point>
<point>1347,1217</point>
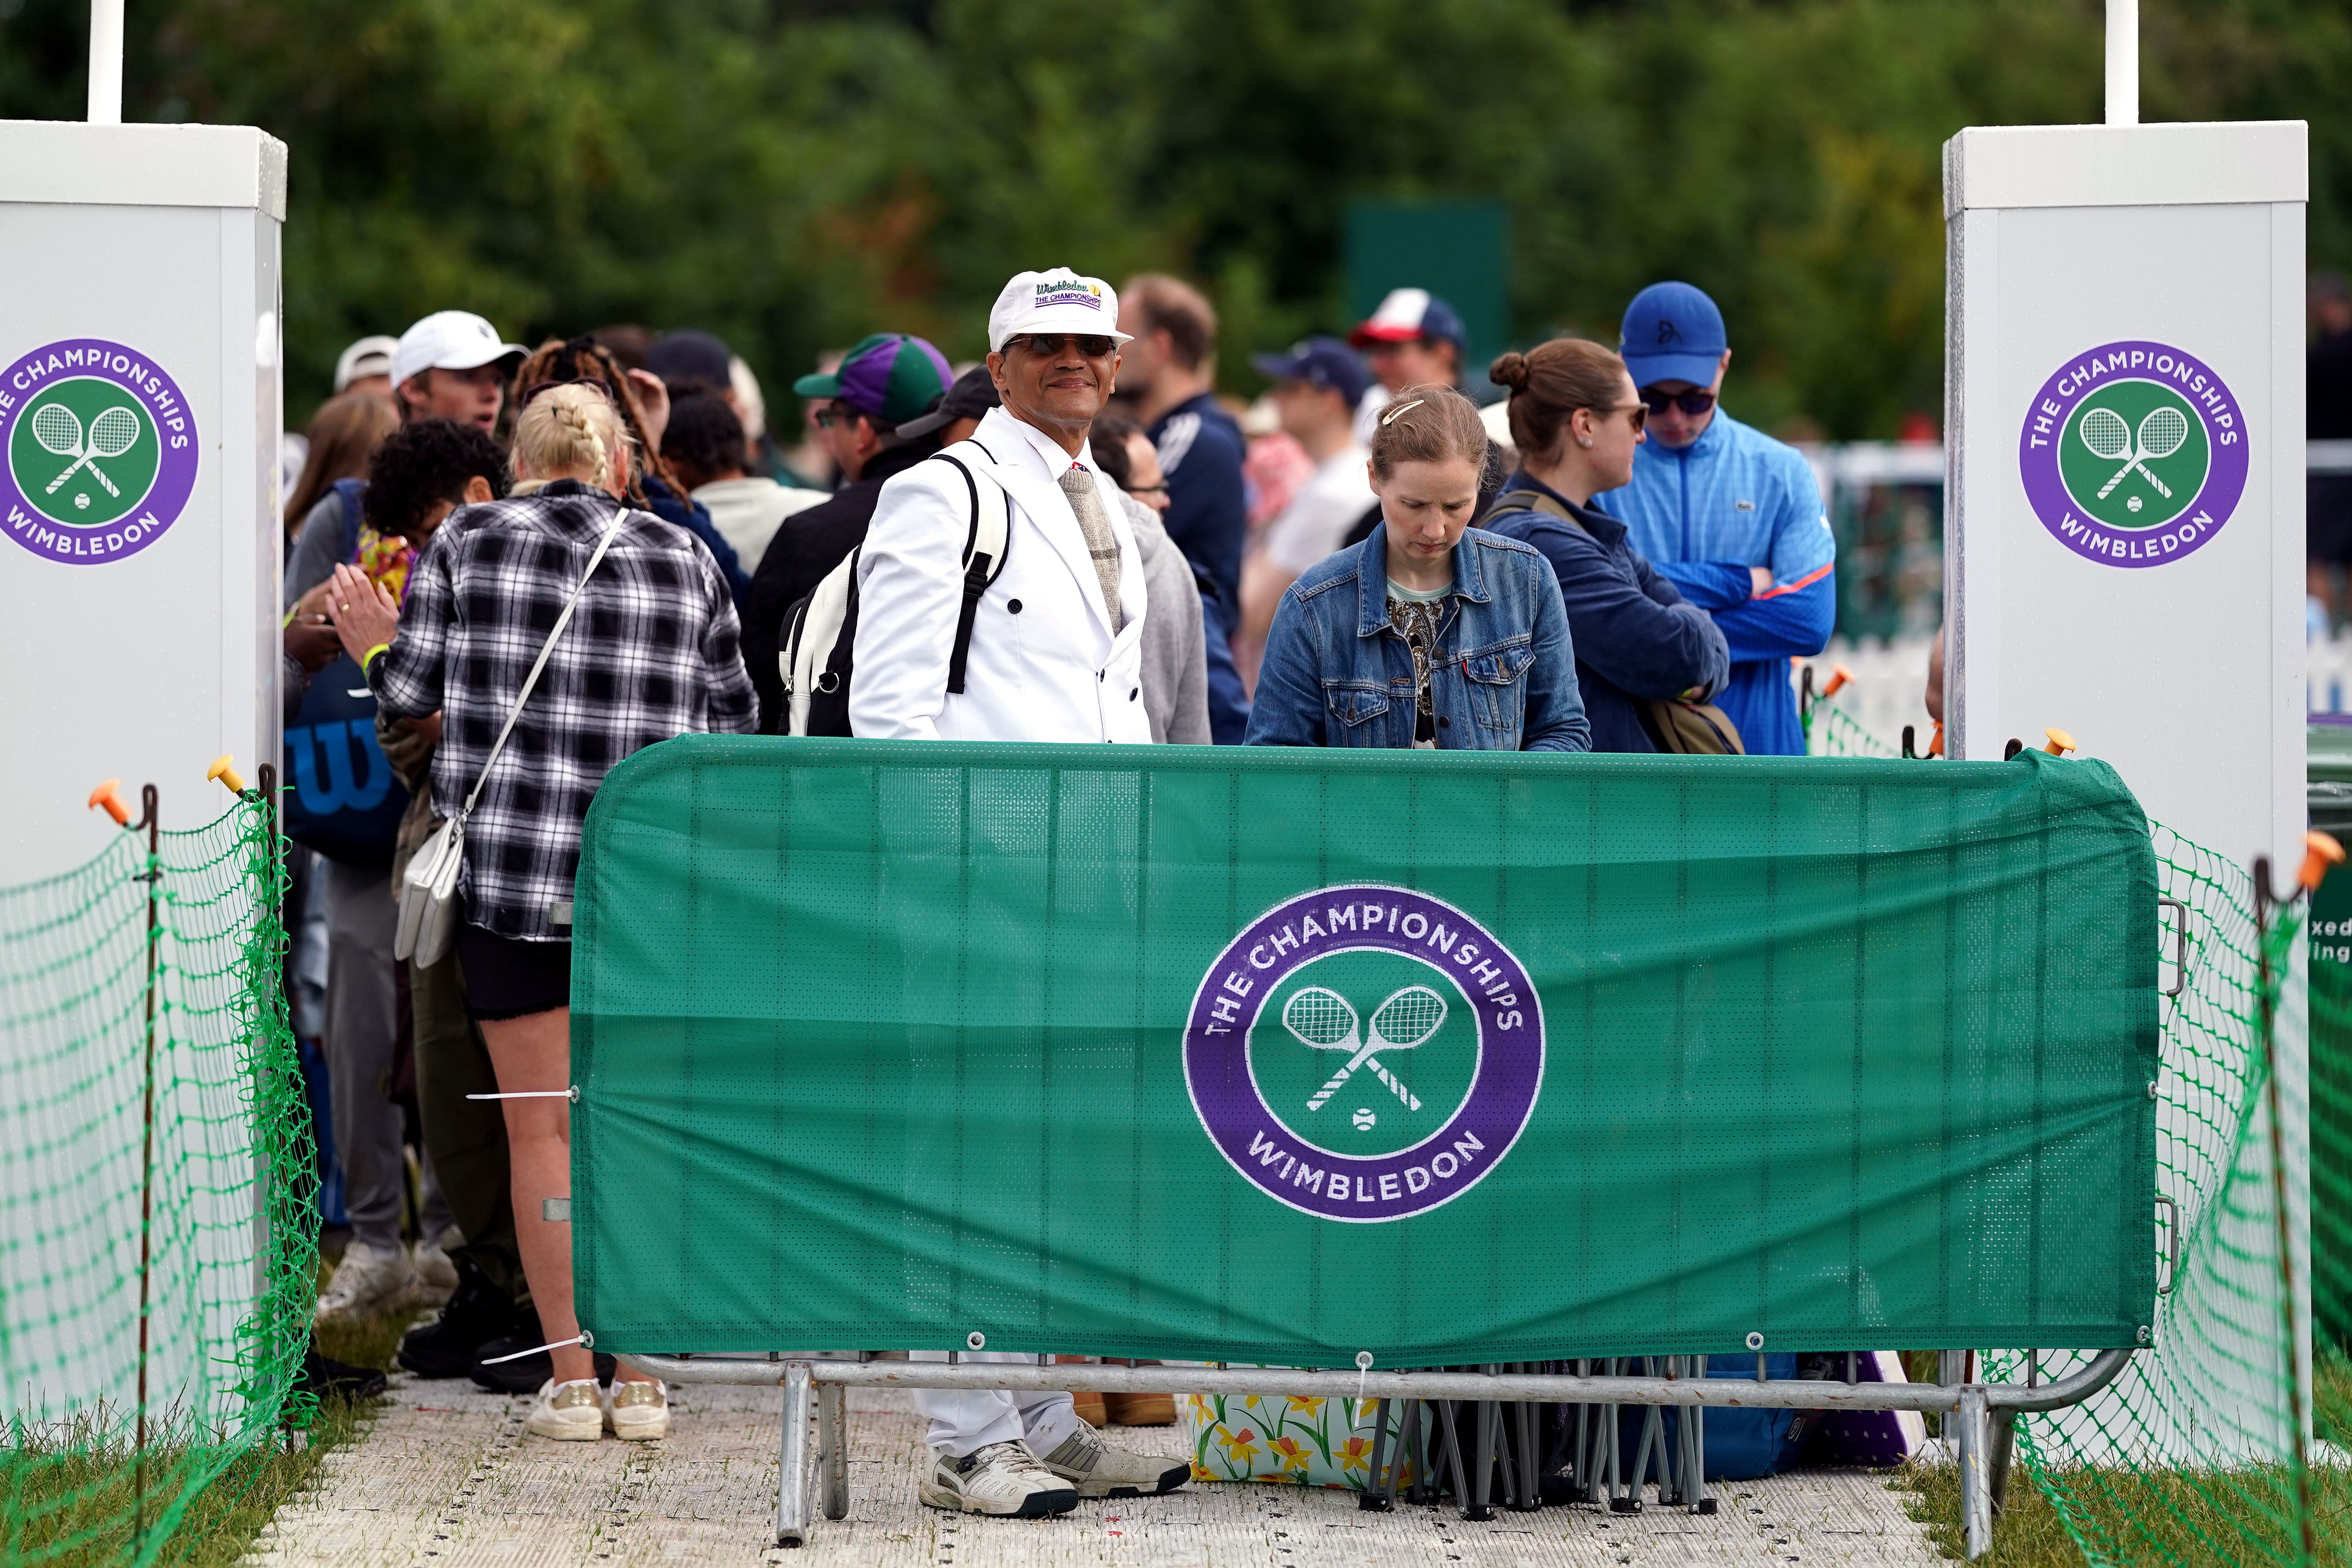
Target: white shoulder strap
<point>561,621</point>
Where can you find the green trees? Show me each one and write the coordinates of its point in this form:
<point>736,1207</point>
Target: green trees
<point>793,174</point>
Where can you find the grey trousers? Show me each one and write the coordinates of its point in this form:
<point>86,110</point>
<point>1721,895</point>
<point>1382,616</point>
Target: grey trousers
<point>363,1020</point>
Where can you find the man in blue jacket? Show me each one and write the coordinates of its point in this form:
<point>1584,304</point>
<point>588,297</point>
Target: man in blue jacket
<point>1731,517</point>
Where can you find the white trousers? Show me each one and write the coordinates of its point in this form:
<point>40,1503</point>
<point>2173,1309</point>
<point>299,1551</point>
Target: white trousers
<point>965,1420</point>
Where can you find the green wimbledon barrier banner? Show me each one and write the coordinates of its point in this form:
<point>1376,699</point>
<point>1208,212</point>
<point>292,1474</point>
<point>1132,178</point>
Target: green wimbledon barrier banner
<point>1280,1056</point>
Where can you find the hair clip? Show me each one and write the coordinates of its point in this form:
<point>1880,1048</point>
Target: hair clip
<point>1390,416</point>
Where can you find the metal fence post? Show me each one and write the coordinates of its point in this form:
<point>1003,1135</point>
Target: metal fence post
<point>1976,1495</point>
<point>833,1450</point>
<point>792,1483</point>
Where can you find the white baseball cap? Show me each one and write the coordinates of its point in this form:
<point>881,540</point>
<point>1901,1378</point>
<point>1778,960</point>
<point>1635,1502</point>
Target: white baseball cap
<point>449,340</point>
<point>368,356</point>
<point>1058,300</point>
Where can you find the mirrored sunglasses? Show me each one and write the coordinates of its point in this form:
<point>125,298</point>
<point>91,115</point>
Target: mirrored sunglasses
<point>1090,344</point>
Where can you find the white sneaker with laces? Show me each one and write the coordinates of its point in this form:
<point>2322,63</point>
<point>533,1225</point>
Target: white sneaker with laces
<point>567,1412</point>
<point>436,1277</point>
<point>636,1412</point>
<point>1097,1469</point>
<point>367,1280</point>
<point>1004,1479</point>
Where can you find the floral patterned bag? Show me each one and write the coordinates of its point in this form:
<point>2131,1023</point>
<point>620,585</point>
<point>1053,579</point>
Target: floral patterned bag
<point>1273,1437</point>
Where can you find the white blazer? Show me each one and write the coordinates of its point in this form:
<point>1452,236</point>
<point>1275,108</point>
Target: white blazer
<point>1043,664</point>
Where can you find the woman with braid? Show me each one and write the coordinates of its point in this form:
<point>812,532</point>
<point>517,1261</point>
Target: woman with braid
<point>642,402</point>
<point>650,653</point>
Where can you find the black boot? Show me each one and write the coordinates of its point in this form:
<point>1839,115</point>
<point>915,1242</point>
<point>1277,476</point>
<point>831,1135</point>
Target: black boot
<point>525,1375</point>
<point>477,1313</point>
<point>322,1376</point>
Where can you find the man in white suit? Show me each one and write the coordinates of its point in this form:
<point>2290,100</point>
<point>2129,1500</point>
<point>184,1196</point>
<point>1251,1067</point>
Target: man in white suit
<point>1056,642</point>
<point>1055,655</point>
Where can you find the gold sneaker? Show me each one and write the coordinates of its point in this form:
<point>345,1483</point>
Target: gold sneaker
<point>567,1412</point>
<point>636,1412</point>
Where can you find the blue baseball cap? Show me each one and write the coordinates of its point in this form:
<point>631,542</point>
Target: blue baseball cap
<point>1672,331</point>
<point>1326,362</point>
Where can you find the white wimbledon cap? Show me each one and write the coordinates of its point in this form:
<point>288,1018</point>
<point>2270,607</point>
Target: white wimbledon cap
<point>1059,301</point>
<point>448,340</point>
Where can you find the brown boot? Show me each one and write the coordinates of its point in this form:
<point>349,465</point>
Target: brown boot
<point>1140,1409</point>
<point>1089,1407</point>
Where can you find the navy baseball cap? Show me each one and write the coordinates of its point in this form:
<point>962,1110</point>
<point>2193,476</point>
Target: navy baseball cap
<point>1326,362</point>
<point>1672,331</point>
<point>1407,315</point>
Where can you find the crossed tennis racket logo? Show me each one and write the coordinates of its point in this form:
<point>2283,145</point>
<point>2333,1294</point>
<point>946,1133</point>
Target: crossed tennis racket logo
<point>2162,432</point>
<point>1323,1020</point>
<point>112,432</point>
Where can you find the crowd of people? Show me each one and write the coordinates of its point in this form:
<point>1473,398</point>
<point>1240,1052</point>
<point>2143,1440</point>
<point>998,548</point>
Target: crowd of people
<point>537,562</point>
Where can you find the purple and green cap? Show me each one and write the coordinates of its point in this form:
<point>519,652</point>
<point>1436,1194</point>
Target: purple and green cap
<point>891,376</point>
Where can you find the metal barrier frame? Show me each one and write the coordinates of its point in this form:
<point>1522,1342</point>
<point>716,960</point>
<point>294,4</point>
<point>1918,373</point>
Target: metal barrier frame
<point>1984,1409</point>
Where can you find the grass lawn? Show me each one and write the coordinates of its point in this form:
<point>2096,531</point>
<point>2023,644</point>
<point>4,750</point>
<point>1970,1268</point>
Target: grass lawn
<point>71,1503</point>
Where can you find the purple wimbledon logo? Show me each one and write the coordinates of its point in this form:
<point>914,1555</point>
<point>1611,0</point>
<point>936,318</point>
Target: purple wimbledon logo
<point>100,451</point>
<point>1364,1053</point>
<point>2134,454</point>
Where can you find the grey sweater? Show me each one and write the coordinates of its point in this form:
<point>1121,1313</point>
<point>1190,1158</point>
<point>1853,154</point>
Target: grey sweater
<point>1175,657</point>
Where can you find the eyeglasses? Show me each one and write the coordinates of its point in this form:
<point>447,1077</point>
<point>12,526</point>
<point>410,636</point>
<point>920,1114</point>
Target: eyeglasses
<point>1691,403</point>
<point>1147,489</point>
<point>839,414</point>
<point>1092,345</point>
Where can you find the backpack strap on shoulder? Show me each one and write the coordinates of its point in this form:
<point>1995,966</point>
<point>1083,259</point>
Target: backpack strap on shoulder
<point>1529,500</point>
<point>986,539</point>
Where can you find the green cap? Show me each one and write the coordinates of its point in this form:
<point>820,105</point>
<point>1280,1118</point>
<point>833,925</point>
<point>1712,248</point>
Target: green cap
<point>891,376</point>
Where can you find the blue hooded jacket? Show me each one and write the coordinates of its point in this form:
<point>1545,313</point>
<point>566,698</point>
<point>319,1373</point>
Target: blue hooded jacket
<point>1705,514</point>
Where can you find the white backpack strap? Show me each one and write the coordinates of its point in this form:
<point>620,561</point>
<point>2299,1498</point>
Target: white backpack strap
<point>986,541</point>
<point>561,621</point>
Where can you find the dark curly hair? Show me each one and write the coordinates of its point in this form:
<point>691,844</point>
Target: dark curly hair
<point>584,359</point>
<point>428,460</point>
<point>704,438</point>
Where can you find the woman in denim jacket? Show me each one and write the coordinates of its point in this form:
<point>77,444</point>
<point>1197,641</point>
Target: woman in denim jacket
<point>1430,633</point>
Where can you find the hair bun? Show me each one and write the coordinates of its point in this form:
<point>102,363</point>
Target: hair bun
<point>1509,370</point>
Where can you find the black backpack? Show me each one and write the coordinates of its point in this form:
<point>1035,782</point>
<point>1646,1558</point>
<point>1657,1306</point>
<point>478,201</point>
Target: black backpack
<point>817,652</point>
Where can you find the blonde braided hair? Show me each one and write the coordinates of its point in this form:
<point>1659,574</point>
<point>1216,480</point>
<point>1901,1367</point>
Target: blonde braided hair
<point>569,432</point>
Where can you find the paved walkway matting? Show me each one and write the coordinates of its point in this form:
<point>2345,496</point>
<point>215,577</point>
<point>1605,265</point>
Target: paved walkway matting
<point>446,1478</point>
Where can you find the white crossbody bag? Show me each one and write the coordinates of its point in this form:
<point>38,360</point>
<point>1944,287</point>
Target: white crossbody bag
<point>428,893</point>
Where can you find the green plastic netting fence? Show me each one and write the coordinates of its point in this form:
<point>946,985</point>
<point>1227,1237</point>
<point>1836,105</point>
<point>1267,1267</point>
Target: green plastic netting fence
<point>2195,1455</point>
<point>156,1271</point>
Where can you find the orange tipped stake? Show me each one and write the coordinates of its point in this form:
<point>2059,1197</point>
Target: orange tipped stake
<point>223,768</point>
<point>1840,678</point>
<point>104,795</point>
<point>2059,743</point>
<point>2320,851</point>
<point>1935,746</point>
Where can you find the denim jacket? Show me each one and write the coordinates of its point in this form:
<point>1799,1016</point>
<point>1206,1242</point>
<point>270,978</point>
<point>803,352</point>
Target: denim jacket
<point>1336,673</point>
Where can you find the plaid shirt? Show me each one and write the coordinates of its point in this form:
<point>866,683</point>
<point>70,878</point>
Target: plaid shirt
<point>650,653</point>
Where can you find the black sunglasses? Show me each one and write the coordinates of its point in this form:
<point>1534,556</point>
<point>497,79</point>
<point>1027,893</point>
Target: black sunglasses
<point>1691,403</point>
<point>1092,345</point>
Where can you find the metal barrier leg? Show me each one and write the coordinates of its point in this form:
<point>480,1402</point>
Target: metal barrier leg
<point>1482,1463</point>
<point>792,1483</point>
<point>2003,1424</point>
<point>1700,1502</point>
<point>1976,1499</point>
<point>1451,1434</point>
<point>833,1450</point>
<point>1379,1487</point>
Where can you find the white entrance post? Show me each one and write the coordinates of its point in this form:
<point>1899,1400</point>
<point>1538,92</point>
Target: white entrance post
<point>140,636</point>
<point>2124,514</point>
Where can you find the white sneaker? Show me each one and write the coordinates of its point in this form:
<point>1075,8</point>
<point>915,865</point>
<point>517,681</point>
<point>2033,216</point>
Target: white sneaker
<point>367,1280</point>
<point>567,1412</point>
<point>436,1277</point>
<point>1086,1462</point>
<point>1002,1478</point>
<point>636,1412</point>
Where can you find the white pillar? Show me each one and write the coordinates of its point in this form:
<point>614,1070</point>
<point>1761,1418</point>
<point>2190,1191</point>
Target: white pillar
<point>106,62</point>
<point>2123,62</point>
